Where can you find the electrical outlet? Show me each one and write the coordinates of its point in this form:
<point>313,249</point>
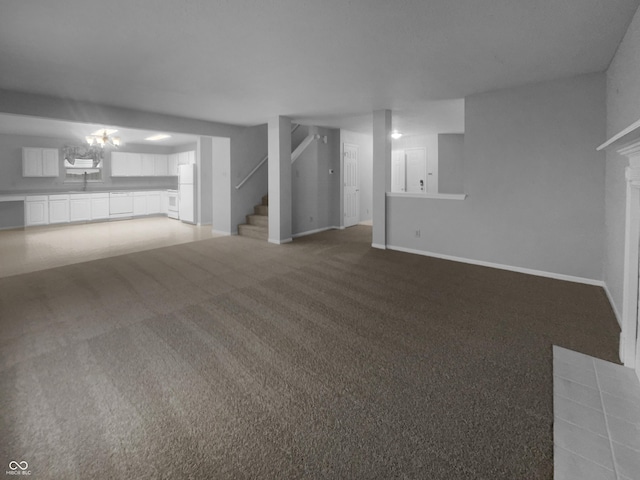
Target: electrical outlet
<point>418,233</point>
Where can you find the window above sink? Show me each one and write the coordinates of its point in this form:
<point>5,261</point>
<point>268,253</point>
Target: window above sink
<point>83,164</point>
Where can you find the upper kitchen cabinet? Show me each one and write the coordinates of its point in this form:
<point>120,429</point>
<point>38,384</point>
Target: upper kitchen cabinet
<point>124,164</point>
<point>40,162</point>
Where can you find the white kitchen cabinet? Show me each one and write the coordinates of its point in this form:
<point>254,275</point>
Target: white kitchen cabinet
<point>162,165</point>
<point>153,203</point>
<point>139,203</point>
<point>58,209</point>
<point>50,162</point>
<point>172,165</point>
<point>119,164</point>
<point>126,164</point>
<point>187,158</point>
<point>36,210</point>
<point>80,207</point>
<point>99,206</point>
<point>148,164</point>
<point>164,202</point>
<point>40,162</point>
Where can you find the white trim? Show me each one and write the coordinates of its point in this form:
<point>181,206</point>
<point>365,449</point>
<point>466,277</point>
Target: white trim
<point>378,245</point>
<point>222,232</point>
<point>280,242</point>
<point>12,198</point>
<point>433,196</point>
<point>629,134</point>
<point>613,304</point>
<point>500,266</point>
<point>311,232</point>
<point>368,223</point>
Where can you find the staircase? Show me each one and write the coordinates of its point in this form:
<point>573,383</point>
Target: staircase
<point>257,225</point>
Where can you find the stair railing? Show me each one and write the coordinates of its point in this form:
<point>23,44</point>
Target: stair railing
<point>262,162</point>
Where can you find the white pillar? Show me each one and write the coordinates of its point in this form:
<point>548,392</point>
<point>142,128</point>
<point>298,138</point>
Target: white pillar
<point>381,175</point>
<point>221,186</point>
<point>629,339</point>
<point>279,137</point>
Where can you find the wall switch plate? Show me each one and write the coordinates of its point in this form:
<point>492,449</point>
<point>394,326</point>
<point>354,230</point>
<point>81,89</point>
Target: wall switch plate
<point>417,233</point>
<point>331,171</point>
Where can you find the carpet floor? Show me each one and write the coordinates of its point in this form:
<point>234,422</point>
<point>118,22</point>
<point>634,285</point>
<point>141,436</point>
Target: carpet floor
<point>231,358</point>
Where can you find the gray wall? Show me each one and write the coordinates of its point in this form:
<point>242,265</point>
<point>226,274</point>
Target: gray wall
<point>315,192</point>
<point>450,162</point>
<point>534,180</point>
<point>623,108</point>
<point>248,147</point>
<point>365,169</point>
<point>11,179</point>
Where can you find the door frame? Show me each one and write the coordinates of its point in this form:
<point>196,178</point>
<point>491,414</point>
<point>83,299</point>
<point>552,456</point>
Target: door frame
<point>342,176</point>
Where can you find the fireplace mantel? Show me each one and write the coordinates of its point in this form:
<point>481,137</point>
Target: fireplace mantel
<point>627,144</point>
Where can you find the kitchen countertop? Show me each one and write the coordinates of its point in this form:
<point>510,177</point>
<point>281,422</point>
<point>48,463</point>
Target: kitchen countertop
<point>17,196</point>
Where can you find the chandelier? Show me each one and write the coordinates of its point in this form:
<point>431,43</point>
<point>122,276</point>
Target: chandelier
<point>103,138</point>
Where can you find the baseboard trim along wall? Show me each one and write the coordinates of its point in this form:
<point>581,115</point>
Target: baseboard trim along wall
<point>613,305</point>
<point>317,230</point>
<point>222,232</point>
<point>381,247</point>
<point>280,242</point>
<point>528,271</point>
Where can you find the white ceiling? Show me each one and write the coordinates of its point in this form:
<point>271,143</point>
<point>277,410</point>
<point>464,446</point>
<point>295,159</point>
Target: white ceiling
<point>44,127</point>
<point>332,61</point>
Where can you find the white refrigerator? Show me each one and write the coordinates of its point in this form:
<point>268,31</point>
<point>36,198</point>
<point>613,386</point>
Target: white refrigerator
<point>187,193</point>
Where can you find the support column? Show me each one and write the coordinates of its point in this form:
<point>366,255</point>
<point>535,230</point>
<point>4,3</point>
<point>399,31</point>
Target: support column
<point>381,175</point>
<point>279,137</point>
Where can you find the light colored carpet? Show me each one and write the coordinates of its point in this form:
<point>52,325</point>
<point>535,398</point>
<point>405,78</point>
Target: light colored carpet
<point>233,358</point>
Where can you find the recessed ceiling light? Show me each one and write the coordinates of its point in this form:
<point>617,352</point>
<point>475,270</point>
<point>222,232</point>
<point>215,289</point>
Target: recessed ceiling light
<point>160,136</point>
<point>104,131</point>
<point>396,135</point>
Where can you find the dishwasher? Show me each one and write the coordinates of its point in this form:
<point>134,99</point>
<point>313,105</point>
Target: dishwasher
<point>120,204</point>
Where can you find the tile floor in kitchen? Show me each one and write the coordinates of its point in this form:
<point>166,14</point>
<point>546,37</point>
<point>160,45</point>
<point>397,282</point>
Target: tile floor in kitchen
<point>30,249</point>
<point>596,428</point>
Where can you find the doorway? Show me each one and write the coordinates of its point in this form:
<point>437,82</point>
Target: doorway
<point>351,185</point>
<point>412,171</point>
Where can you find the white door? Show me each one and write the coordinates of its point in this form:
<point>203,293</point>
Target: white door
<point>351,189</point>
<point>397,171</point>
<point>416,170</point>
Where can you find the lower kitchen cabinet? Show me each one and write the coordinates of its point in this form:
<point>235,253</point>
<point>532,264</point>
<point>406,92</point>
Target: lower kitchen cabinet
<point>139,203</point>
<point>154,205</point>
<point>99,206</point>
<point>36,210</point>
<point>80,208</point>
<point>58,208</point>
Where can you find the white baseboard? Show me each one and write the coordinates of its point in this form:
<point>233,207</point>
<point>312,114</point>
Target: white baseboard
<point>280,242</point>
<point>380,246</point>
<point>528,271</point>
<point>222,232</point>
<point>311,232</point>
<point>613,305</point>
<point>368,223</point>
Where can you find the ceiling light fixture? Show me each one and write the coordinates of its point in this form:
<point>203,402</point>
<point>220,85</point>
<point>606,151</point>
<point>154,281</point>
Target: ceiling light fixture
<point>396,135</point>
<point>102,137</point>
<point>160,136</point>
